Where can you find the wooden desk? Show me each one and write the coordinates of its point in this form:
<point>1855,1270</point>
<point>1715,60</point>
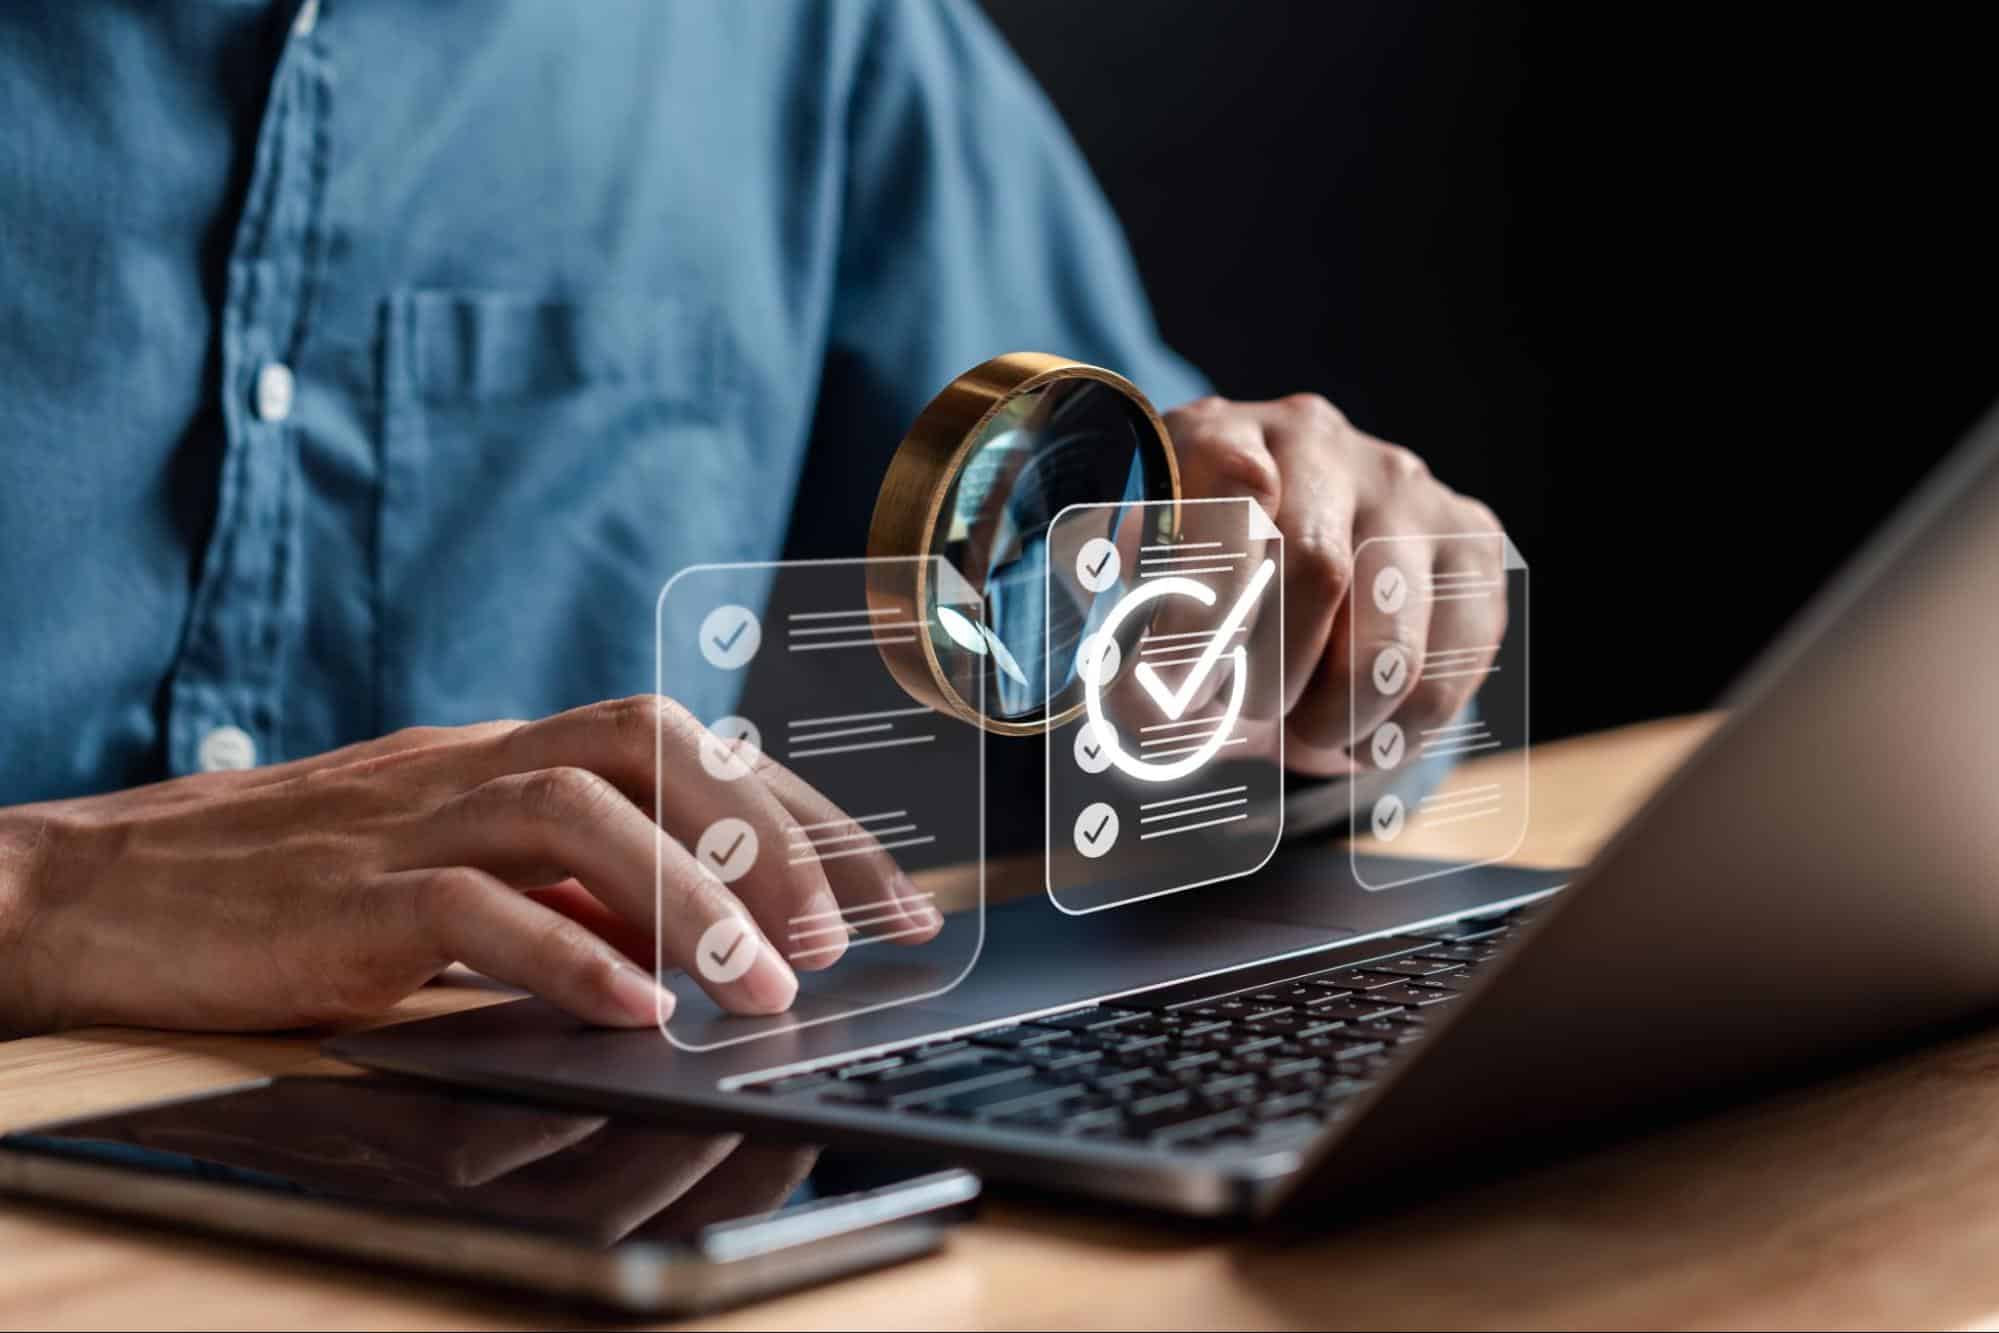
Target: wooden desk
<point>1868,1201</point>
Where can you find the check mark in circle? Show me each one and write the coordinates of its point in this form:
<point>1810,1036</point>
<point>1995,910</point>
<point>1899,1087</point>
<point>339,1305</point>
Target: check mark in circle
<point>726,950</point>
<point>1098,564</point>
<point>1389,817</point>
<point>727,849</point>
<point>729,637</point>
<point>1098,659</point>
<point>1391,670</point>
<point>1092,755</point>
<point>729,748</point>
<point>1096,830</point>
<point>1388,746</point>
<point>1391,590</point>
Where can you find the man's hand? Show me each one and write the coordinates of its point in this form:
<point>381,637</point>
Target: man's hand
<point>329,888</point>
<point>1330,488</point>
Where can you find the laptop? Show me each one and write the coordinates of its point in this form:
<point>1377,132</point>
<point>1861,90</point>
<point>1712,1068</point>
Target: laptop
<point>1818,881</point>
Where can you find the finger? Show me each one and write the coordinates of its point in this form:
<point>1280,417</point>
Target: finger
<point>575,819</point>
<point>1224,457</point>
<point>1373,658</point>
<point>1467,621</point>
<point>876,896</point>
<point>569,897</point>
<point>1315,513</point>
<point>472,917</point>
<point>738,830</point>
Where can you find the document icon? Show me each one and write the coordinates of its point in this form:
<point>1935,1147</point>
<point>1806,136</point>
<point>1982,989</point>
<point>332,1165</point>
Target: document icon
<point>1170,616</point>
<point>1451,590</point>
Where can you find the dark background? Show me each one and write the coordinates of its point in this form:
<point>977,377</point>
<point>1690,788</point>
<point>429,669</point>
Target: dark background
<point>1690,300</point>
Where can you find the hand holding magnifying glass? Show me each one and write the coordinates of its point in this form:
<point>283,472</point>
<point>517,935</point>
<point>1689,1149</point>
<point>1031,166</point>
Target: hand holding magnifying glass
<point>1009,445</point>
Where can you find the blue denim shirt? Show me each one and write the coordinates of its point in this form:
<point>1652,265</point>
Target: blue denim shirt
<point>371,364</point>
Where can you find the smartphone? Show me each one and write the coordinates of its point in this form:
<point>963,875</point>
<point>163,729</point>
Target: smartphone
<point>625,1214</point>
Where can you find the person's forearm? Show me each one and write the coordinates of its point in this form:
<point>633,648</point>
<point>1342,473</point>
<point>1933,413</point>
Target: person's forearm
<point>21,851</point>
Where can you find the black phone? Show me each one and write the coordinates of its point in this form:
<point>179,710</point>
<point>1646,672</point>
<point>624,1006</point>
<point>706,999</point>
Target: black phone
<point>634,1215</point>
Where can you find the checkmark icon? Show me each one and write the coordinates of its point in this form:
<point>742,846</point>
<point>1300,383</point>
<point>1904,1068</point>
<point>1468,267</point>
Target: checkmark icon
<point>729,637</point>
<point>1174,703</point>
<point>1092,755</point>
<point>722,958</point>
<point>1098,564</point>
<point>1388,746</point>
<point>726,950</point>
<point>1391,670</point>
<point>1096,829</point>
<point>1389,815</point>
<point>1391,589</point>
<point>728,848</point>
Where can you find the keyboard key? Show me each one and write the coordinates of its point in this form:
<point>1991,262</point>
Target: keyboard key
<point>1090,1020</point>
<point>1013,1095</point>
<point>1457,953</point>
<point>1017,1036</point>
<point>1040,1097</point>
<point>1222,1086</point>
<point>868,1068</point>
<point>939,1084</point>
<point>1414,968</point>
<point>1360,1009</point>
<point>1097,1118</point>
<point>1357,980</point>
<point>1464,932</point>
<point>1290,1104</point>
<point>1413,996</point>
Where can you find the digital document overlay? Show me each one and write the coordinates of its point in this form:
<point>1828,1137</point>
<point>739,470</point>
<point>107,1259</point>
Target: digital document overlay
<point>788,659</point>
<point>1431,611</point>
<point>1163,635</point>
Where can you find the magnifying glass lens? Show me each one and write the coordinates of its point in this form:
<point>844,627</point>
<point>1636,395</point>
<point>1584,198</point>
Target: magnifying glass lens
<point>1049,434</point>
<point>1067,443</point>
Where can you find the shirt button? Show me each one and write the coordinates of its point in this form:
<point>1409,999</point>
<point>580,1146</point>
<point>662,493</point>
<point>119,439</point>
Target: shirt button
<point>274,391</point>
<point>226,748</point>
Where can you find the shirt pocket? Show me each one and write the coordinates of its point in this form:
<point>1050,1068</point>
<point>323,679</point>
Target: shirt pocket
<point>546,466</point>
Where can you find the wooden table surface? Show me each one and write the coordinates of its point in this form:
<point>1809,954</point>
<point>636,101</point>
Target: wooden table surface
<point>1871,1200</point>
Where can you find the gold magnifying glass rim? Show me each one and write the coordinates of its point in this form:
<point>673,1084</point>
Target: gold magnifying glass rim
<point>912,497</point>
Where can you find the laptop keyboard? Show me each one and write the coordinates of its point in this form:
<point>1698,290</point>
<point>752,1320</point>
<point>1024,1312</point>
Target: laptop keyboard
<point>1252,1057</point>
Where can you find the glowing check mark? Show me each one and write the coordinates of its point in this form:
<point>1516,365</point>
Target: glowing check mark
<point>1174,703</point>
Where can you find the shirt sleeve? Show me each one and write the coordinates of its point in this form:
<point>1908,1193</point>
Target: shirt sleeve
<point>971,226</point>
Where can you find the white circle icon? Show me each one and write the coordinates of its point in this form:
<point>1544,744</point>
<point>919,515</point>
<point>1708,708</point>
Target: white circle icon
<point>726,950</point>
<point>1092,755</point>
<point>730,637</point>
<point>729,748</point>
<point>1098,564</point>
<point>1389,816</point>
<point>1096,830</point>
<point>1388,745</point>
<point>727,850</point>
<point>1391,590</point>
<point>1391,670</point>
<point>1098,659</point>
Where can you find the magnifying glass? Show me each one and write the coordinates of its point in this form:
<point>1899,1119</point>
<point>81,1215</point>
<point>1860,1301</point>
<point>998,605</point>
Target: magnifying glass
<point>978,482</point>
